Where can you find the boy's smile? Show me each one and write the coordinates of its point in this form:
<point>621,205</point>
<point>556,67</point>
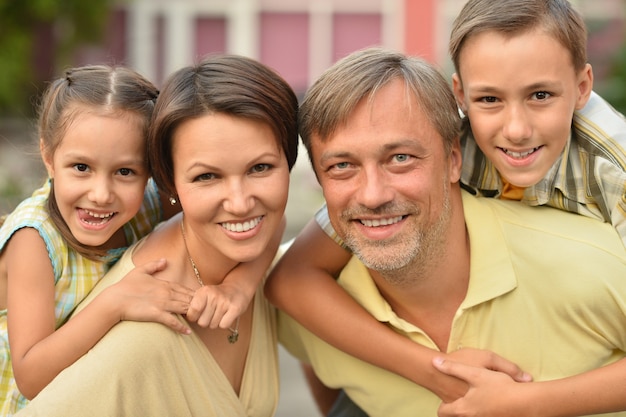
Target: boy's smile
<point>519,93</point>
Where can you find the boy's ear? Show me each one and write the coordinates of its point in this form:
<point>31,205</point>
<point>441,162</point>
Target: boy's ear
<point>457,89</point>
<point>585,85</point>
<point>47,158</point>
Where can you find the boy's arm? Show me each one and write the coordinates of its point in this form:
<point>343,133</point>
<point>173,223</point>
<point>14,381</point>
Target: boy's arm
<point>219,305</point>
<point>302,285</point>
<point>492,394</point>
<point>323,396</point>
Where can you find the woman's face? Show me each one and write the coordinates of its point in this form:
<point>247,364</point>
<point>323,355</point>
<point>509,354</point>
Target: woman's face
<point>232,181</point>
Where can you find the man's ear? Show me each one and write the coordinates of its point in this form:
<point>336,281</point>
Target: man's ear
<point>585,85</point>
<point>456,159</point>
<point>459,94</point>
<point>46,156</point>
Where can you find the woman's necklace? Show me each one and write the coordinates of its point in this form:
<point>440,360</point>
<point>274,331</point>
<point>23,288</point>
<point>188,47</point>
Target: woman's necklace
<point>234,333</point>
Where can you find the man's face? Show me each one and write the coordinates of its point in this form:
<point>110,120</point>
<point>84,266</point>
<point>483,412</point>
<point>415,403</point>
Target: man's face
<point>386,178</point>
<point>520,94</point>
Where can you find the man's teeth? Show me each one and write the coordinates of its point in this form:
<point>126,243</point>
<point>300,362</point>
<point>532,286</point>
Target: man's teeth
<point>519,155</point>
<point>100,216</point>
<point>242,227</point>
<point>381,222</point>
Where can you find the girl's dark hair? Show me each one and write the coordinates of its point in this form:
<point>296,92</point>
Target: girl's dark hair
<point>227,84</point>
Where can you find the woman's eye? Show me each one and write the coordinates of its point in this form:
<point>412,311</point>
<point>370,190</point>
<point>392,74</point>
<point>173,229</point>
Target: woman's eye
<point>205,177</point>
<point>258,168</point>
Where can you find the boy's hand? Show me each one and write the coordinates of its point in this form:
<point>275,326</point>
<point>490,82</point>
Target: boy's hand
<point>490,393</point>
<point>450,390</point>
<point>141,297</point>
<point>481,358</point>
<point>216,306</point>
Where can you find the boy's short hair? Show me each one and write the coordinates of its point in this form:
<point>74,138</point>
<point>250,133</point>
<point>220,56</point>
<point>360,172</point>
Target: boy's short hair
<point>512,17</point>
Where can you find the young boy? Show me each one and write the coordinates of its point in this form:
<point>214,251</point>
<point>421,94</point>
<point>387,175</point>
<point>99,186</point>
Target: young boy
<point>534,132</point>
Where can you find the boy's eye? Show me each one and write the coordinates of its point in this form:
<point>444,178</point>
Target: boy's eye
<point>541,95</point>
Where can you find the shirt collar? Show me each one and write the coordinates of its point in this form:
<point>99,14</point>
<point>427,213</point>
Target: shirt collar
<point>491,275</point>
<point>481,177</point>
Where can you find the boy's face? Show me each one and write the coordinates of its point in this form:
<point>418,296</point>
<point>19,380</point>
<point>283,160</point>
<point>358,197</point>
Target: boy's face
<point>520,94</point>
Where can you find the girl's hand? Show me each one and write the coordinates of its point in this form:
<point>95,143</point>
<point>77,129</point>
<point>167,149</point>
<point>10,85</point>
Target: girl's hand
<point>216,306</point>
<point>142,297</point>
<point>490,393</point>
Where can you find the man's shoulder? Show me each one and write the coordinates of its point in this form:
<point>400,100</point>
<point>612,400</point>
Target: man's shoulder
<point>514,218</point>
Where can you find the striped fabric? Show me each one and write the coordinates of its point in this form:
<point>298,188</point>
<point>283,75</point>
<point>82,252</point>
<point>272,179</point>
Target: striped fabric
<point>74,275</point>
<point>588,179</point>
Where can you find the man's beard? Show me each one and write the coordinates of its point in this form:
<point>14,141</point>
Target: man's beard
<point>410,252</point>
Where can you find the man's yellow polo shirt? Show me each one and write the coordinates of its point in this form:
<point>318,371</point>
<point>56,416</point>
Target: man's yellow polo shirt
<point>547,291</point>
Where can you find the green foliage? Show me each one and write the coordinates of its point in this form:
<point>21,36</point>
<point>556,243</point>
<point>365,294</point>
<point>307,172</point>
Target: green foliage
<point>614,88</point>
<point>72,22</point>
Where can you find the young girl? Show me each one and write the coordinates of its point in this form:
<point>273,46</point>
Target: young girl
<point>59,242</point>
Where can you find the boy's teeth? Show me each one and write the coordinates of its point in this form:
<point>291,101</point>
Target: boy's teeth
<point>242,227</point>
<point>381,222</point>
<point>519,155</point>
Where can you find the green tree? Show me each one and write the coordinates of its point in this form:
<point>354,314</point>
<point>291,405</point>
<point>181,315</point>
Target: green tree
<point>69,23</point>
<point>614,88</point>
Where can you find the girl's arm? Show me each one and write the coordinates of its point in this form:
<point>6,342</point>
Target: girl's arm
<point>219,305</point>
<point>38,351</point>
<point>302,284</point>
<point>492,394</point>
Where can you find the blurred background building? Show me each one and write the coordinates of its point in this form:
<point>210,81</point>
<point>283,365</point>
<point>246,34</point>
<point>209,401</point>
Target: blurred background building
<point>298,38</point>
